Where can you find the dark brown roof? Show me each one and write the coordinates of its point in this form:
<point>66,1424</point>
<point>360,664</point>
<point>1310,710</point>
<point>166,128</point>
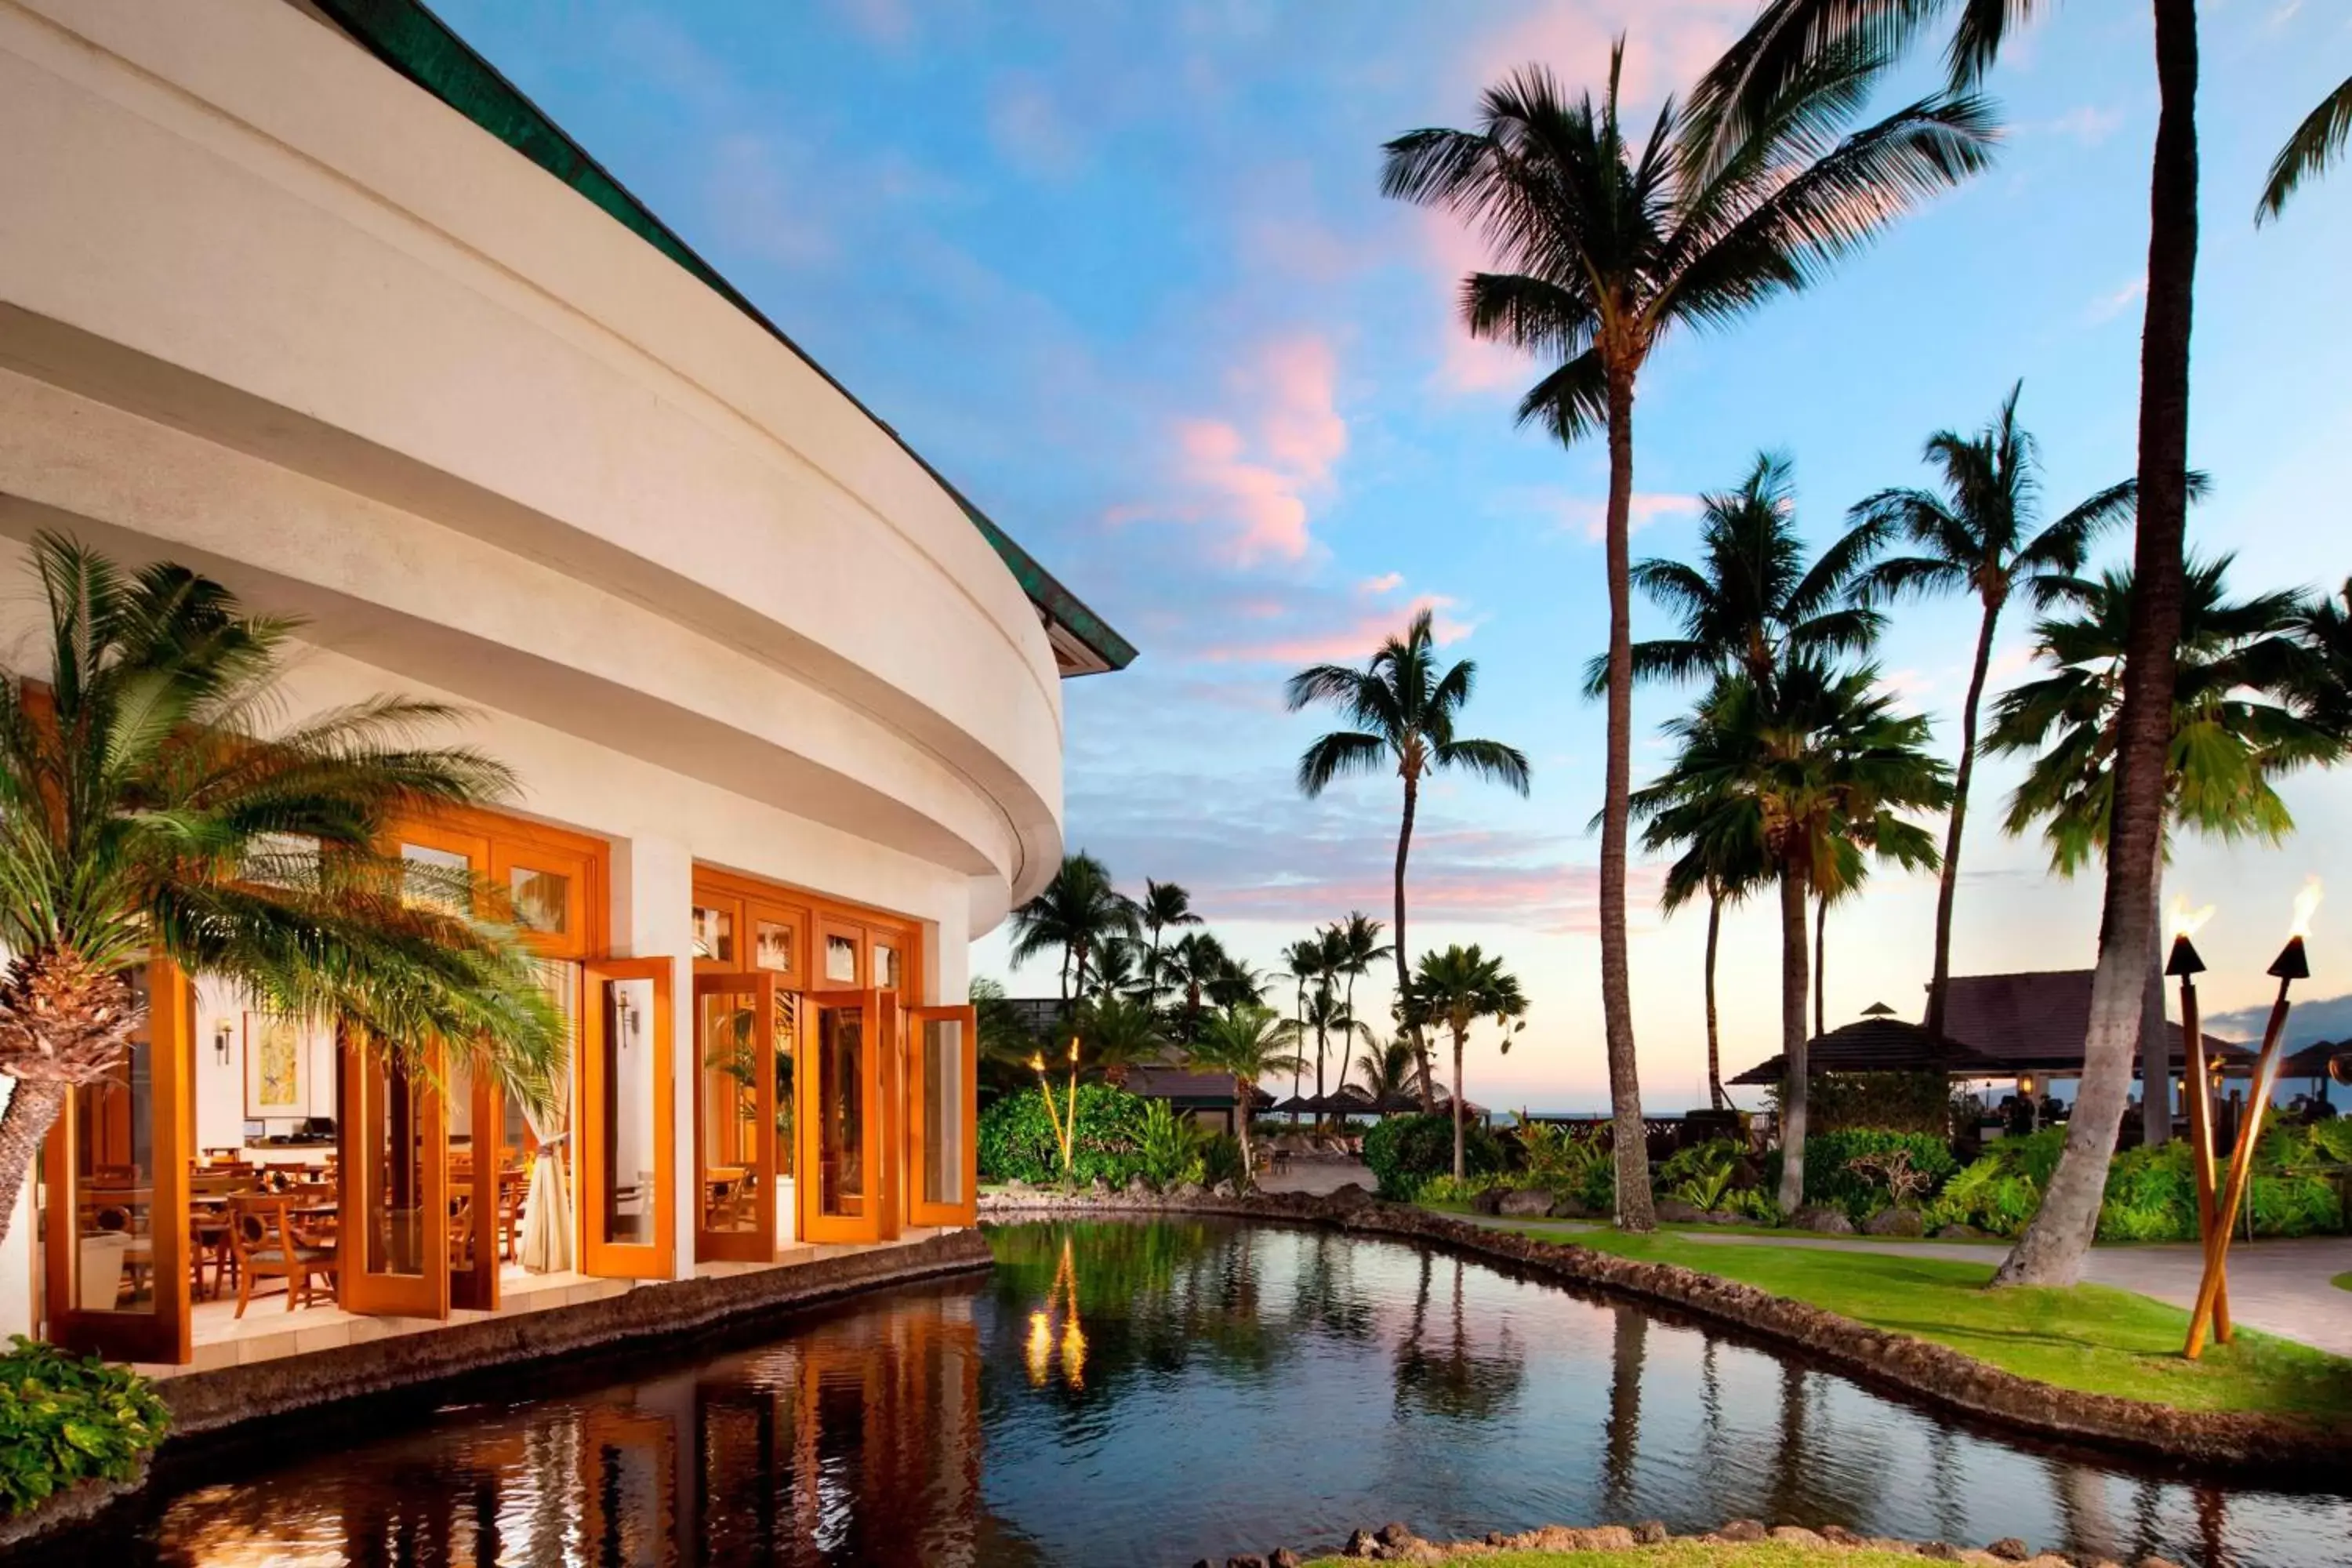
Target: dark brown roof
<point>2312,1061</point>
<point>1877,1043</point>
<point>1182,1084</point>
<point>2037,1020</point>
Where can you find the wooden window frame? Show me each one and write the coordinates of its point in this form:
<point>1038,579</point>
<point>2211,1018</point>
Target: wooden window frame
<point>620,1259</point>
<point>359,1290</point>
<point>757,1245</point>
<point>919,1211</point>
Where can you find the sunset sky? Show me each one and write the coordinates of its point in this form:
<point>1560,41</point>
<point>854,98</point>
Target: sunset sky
<point>1122,272</point>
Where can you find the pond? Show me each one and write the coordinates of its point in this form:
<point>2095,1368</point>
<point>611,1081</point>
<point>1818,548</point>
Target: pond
<point>1158,1393</point>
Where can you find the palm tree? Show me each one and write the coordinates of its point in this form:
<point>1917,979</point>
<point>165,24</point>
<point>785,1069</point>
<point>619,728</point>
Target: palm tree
<point>1246,1043</point>
<point>1194,963</point>
<point>1808,776</point>
<point>1165,906</point>
<point>1360,947</point>
<point>1607,245</point>
<point>1327,1013</point>
<point>1302,964</point>
<point>2233,730</point>
<point>1790,39</point>
<point>2315,145</point>
<point>2320,679</point>
<point>1385,1067</point>
<point>1078,911</point>
<point>1240,983</point>
<point>1404,712</point>
<point>1116,968</point>
<point>141,819</point>
<point>1978,536</point>
<point>1458,987</point>
<point>1722,862</point>
<point>1119,1033</point>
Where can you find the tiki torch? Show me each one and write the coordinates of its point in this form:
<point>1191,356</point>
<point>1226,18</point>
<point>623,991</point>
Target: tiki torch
<point>2290,966</point>
<point>2197,1085</point>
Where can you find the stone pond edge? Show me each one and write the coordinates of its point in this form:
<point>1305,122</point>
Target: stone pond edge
<point>2206,1441</point>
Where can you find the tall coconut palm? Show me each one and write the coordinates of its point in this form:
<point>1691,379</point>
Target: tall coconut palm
<point>1791,37</point>
<point>1245,1043</point>
<point>1810,775</point>
<point>1240,983</point>
<point>1078,911</point>
<point>1458,987</point>
<point>1327,1015</point>
<point>1360,947</point>
<point>2234,729</point>
<point>1192,965</point>
<point>1981,534</point>
<point>2320,679</point>
<point>1714,858</point>
<point>144,815</point>
<point>1304,966</point>
<point>1404,710</point>
<point>1605,245</point>
<point>1386,1067</point>
<point>1166,907</point>
<point>2315,144</point>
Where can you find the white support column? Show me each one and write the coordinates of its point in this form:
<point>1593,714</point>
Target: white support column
<point>653,916</point>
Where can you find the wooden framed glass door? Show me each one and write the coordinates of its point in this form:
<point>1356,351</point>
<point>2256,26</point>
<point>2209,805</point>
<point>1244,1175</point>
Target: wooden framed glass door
<point>627,1095</point>
<point>839,1095</point>
<point>116,1172</point>
<point>942,1115</point>
<point>735,1116</point>
<point>394,1225</point>
<point>479,1188</point>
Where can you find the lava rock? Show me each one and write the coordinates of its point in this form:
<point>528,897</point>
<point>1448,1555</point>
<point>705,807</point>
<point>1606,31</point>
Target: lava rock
<point>1726,1217</point>
<point>1742,1529</point>
<point>1347,1197</point>
<point>2154,1562</point>
<point>1964,1232</point>
<point>1183,1191</point>
<point>1839,1535</point>
<point>1281,1557</point>
<point>1573,1208</point>
<point>1798,1535</point>
<point>1224,1190</point>
<point>1359,1545</point>
<point>1673,1210</point>
<point>1894,1222</point>
<point>1820,1217</point>
<point>1526,1203</point>
<point>1246,1560</point>
<point>1017,1186</point>
<point>1138,1185</point>
<point>1939,1551</point>
<point>1395,1532</point>
<point>2010,1548</point>
<point>1651,1532</point>
<point>1489,1202</point>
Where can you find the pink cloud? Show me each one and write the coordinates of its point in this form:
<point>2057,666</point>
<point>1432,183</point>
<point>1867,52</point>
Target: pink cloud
<point>1591,514</point>
<point>1386,582</point>
<point>1252,476</point>
<point>1348,644</point>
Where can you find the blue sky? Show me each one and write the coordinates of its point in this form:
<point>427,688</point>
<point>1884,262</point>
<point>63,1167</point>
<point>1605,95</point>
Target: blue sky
<point>1122,271</point>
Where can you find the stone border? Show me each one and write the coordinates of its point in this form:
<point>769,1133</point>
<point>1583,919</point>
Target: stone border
<point>1397,1543</point>
<point>2278,1447</point>
<point>210,1404</point>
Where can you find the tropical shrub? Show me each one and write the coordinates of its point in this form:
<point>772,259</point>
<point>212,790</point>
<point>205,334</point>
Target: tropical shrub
<point>65,1419</point>
<point>1448,1188</point>
<point>1173,1148</point>
<point>1403,1152</point>
<point>1220,1159</point>
<point>1832,1180</point>
<point>2151,1192</point>
<point>1756,1204</point>
<point>1578,1166</point>
<point>1884,1102</point>
<point>1017,1141</point>
<point>1716,1154</point>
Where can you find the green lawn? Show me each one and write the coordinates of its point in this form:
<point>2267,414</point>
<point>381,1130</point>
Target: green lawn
<point>1686,1554</point>
<point>2090,1337</point>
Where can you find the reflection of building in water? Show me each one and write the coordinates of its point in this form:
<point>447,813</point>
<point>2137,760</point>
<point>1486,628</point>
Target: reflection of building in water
<point>857,1442</point>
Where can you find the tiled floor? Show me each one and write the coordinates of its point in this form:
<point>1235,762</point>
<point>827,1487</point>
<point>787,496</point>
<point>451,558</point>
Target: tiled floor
<point>220,1338</point>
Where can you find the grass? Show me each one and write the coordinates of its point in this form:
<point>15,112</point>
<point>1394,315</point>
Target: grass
<point>1687,1554</point>
<point>2091,1338</point>
<point>2343,1282</point>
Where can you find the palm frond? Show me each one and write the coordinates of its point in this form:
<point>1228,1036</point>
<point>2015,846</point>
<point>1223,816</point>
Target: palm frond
<point>2315,144</point>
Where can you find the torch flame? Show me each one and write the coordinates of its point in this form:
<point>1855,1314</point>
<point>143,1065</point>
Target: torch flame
<point>2186,922</point>
<point>2307,904</point>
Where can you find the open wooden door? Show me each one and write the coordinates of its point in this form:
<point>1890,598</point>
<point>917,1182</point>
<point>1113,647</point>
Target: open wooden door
<point>394,1225</point>
<point>942,1115</point>
<point>838,1113</point>
<point>628,1203</point>
<point>115,1276</point>
<point>735,1117</point>
<point>477,1173</point>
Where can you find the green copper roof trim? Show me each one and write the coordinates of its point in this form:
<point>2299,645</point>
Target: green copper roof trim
<point>412,40</point>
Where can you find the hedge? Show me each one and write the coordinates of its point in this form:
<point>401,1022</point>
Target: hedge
<point>2152,1192</point>
<point>1017,1140</point>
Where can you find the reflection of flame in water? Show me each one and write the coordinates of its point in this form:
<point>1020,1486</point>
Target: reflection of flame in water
<point>1061,1299</point>
<point>2186,922</point>
<point>2307,904</point>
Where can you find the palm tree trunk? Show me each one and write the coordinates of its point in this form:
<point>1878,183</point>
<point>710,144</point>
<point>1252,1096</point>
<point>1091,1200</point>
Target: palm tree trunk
<point>33,1106</point>
<point>1793,1040</point>
<point>2051,1251</point>
<point>1244,1091</point>
<point>1715,1097</point>
<point>1459,1035</point>
<point>1939,979</point>
<point>2155,1049</point>
<point>1820,962</point>
<point>1633,1148</point>
<point>1404,974</point>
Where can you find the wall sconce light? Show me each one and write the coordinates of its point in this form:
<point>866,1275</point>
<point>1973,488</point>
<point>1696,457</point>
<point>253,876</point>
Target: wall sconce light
<point>2025,1084</point>
<point>222,1033</point>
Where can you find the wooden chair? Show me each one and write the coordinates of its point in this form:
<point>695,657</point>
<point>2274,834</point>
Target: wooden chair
<point>265,1243</point>
<point>513,1187</point>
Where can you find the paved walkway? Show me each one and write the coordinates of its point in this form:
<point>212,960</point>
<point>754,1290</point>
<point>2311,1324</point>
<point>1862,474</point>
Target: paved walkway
<point>2280,1287</point>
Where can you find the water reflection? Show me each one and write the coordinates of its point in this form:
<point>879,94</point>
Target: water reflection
<point>1162,1393</point>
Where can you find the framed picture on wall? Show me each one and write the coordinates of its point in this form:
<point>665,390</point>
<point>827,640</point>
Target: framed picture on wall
<point>276,1067</point>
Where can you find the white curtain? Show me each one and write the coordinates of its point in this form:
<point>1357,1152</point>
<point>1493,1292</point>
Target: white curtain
<point>547,1202</point>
